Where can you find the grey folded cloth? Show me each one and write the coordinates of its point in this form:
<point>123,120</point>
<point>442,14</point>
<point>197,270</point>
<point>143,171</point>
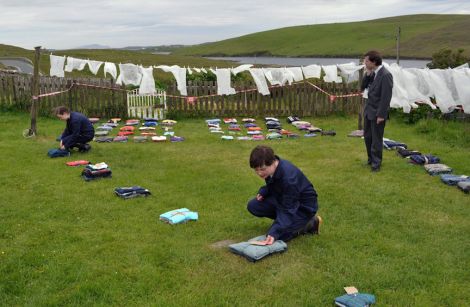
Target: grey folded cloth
<point>257,252</point>
<point>437,169</point>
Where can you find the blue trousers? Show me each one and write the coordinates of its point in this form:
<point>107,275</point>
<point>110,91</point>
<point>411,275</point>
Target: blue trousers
<point>269,208</point>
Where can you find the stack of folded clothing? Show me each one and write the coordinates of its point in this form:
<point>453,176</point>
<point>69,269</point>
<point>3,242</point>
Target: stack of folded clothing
<point>451,179</point>
<point>403,152</point>
<point>104,139</point>
<point>293,118</point>
<point>273,124</point>
<point>391,144</point>
<point>105,127</point>
<point>57,152</point>
<point>132,122</point>
<point>168,122</point>
<point>355,300</point>
<point>179,216</point>
<point>140,139</point>
<point>99,133</point>
<point>464,186</point>
<point>131,192</point>
<point>234,127</point>
<point>424,159</point>
<point>273,136</point>
<point>120,139</point>
<point>328,132</point>
<point>227,137</point>
<point>254,252</point>
<point>96,171</point>
<point>230,120</point>
<point>437,169</point>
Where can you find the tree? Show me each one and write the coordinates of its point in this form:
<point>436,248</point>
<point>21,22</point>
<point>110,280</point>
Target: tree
<point>446,58</point>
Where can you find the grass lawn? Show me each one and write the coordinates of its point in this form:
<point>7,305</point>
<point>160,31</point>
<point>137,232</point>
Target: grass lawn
<point>399,234</point>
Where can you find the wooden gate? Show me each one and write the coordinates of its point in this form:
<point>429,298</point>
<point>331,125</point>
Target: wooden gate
<point>141,106</point>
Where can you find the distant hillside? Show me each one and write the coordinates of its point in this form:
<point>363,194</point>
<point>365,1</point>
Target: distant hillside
<point>421,36</point>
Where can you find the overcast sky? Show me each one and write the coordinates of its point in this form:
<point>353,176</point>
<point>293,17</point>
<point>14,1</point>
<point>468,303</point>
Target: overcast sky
<point>61,24</point>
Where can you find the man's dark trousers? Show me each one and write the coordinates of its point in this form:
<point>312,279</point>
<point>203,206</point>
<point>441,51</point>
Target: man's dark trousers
<point>373,138</point>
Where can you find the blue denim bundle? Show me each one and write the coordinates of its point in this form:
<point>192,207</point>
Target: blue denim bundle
<point>131,192</point>
<point>424,159</point>
<point>355,300</point>
<point>57,152</point>
<point>150,124</point>
<point>450,179</point>
<point>390,144</point>
<point>179,216</point>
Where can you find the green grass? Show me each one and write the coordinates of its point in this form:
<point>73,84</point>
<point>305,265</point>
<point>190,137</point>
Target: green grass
<point>421,36</point>
<point>399,234</point>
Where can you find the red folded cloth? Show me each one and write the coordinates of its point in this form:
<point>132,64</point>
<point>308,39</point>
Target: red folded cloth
<point>77,163</point>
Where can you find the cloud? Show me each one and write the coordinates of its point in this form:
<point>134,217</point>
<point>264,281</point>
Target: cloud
<point>67,24</point>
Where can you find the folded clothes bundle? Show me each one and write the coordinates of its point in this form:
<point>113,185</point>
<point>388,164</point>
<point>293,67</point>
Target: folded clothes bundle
<point>257,252</point>
<point>437,169</point>
<point>77,163</point>
<point>159,138</point>
<point>390,144</point>
<point>176,139</point>
<point>179,216</point>
<point>97,166</point>
<point>101,133</point>
<point>123,133</point>
<point>131,192</point>
<point>403,152</point>
<point>464,186</point>
<point>57,152</point>
<point>454,179</point>
<point>328,132</point>
<point>91,174</point>
<point>150,124</point>
<point>105,127</point>
<point>120,138</point>
<point>424,159</point>
<point>140,139</point>
<point>127,128</point>
<point>292,119</point>
<point>104,139</point>
<point>273,136</point>
<point>355,300</point>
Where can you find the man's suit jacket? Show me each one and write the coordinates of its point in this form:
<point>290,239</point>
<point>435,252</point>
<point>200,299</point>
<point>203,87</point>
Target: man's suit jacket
<point>379,95</point>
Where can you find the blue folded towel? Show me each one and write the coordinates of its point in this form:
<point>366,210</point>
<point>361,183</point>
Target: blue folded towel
<point>179,216</point>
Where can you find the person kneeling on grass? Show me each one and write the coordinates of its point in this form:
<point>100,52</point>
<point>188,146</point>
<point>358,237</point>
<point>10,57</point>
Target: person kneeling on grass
<point>78,130</point>
<point>288,197</point>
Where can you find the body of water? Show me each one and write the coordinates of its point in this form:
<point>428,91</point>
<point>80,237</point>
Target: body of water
<point>281,61</point>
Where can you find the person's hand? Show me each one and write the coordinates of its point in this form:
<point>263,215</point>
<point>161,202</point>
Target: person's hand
<point>268,241</point>
<point>380,120</point>
<point>259,197</point>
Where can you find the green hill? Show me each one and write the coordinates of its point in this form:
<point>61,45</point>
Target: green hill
<point>421,36</point>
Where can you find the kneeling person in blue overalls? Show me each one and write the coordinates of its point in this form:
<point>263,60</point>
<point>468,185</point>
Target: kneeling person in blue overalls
<point>288,197</point>
<point>78,130</point>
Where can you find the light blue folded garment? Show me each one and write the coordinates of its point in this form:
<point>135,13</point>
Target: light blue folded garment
<point>257,252</point>
<point>179,216</point>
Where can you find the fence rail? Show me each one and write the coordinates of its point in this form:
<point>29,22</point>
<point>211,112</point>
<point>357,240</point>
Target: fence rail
<point>106,99</point>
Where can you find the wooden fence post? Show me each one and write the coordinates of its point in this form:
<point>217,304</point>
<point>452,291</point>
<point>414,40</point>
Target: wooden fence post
<point>35,92</point>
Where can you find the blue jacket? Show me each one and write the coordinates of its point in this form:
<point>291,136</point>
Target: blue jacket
<point>296,198</point>
<point>78,126</point>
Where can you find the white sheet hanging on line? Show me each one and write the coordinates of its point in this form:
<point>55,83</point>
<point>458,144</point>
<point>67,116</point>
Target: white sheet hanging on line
<point>180,77</point>
<point>312,71</point>
<point>296,73</point>
<point>350,71</point>
<point>442,93</point>
<point>462,84</point>
<point>331,74</point>
<point>223,82</point>
<point>147,85</point>
<point>110,68</point>
<point>129,74</point>
<point>57,65</point>
<point>260,80</point>
<point>94,66</point>
<point>241,68</point>
<point>190,72</point>
<point>276,76</point>
<point>198,70</point>
<point>75,64</point>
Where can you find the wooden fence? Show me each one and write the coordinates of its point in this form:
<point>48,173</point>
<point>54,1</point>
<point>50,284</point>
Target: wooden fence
<point>301,99</point>
<point>105,99</point>
<point>99,98</point>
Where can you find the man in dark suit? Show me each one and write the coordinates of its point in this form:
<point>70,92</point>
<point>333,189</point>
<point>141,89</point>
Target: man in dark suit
<point>377,85</point>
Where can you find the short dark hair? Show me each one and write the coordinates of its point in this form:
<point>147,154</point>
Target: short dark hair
<point>374,56</point>
<point>262,155</point>
<point>61,110</point>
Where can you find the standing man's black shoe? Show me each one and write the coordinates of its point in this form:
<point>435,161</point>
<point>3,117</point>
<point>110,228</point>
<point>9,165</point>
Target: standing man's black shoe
<point>375,169</point>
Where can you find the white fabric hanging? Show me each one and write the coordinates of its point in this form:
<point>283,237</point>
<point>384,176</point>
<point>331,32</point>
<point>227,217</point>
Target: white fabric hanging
<point>180,76</point>
<point>462,84</point>
<point>223,82</point>
<point>147,85</point>
<point>198,70</point>
<point>442,93</point>
<point>350,71</point>
<point>94,66</point>
<point>57,65</point>
<point>465,65</point>
<point>75,64</point>
<point>190,72</point>
<point>110,68</point>
<point>241,68</point>
<point>204,70</point>
<point>331,74</point>
<point>296,73</point>
<point>129,74</point>
<point>276,76</point>
<point>312,71</point>
<point>258,77</point>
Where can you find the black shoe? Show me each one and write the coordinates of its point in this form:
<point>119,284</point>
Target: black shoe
<point>84,148</point>
<point>313,226</point>
<point>375,169</point>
